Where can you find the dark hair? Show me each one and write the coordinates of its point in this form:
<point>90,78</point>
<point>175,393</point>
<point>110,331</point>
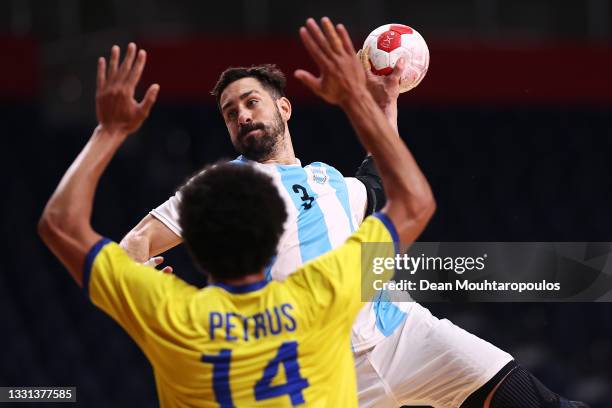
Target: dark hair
<point>232,218</point>
<point>268,75</point>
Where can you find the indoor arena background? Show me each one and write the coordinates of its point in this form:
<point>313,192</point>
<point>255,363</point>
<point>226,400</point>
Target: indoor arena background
<point>512,127</point>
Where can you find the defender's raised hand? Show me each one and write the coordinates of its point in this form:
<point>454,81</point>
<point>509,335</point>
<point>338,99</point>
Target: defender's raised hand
<point>65,225</point>
<point>341,74</point>
<point>116,109</point>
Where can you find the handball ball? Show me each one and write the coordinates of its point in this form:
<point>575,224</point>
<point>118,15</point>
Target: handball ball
<point>388,43</point>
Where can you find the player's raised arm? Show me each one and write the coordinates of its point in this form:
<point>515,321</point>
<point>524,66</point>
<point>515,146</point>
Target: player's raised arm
<point>342,81</point>
<point>65,225</point>
<point>385,90</point>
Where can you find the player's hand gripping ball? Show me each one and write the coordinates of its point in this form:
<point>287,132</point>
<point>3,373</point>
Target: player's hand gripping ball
<point>388,43</point>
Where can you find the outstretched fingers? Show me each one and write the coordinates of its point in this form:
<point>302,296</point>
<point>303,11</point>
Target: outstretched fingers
<point>149,99</point>
<point>101,75</point>
<point>136,72</point>
<point>337,67</point>
<point>128,61</point>
<point>331,35</point>
<point>113,63</point>
<point>319,38</point>
<point>314,50</point>
<point>346,39</point>
<point>127,73</point>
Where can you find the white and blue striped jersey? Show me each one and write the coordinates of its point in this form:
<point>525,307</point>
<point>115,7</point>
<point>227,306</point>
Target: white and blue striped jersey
<point>324,208</point>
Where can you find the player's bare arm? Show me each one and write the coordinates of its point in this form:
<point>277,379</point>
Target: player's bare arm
<point>148,239</point>
<point>65,225</point>
<point>385,90</point>
<point>342,81</point>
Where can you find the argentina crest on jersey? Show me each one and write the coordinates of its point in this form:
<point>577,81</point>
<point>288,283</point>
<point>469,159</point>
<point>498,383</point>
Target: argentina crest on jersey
<point>319,175</point>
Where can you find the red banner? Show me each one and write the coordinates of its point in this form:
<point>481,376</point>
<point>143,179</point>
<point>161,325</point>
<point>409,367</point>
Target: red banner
<point>19,69</point>
<point>458,74</point>
<point>186,69</point>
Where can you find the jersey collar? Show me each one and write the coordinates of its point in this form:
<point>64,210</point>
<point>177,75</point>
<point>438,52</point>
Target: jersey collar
<point>239,289</point>
<point>243,159</point>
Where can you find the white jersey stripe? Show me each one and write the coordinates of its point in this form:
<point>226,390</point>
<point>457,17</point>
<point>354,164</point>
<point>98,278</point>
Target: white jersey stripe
<point>336,219</point>
<point>336,179</point>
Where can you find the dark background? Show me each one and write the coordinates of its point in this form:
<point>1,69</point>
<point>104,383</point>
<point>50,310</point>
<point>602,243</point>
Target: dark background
<point>511,127</point>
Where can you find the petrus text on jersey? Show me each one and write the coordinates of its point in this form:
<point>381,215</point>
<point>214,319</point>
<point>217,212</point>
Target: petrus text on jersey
<point>270,322</point>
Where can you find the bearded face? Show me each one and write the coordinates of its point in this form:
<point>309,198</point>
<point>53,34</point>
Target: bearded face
<point>258,141</point>
<point>255,123</point>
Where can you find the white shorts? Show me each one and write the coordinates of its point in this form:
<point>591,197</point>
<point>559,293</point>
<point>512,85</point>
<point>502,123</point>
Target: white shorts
<point>427,361</point>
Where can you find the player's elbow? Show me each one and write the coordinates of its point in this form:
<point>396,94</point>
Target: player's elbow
<point>48,227</point>
<point>412,216</point>
<point>425,206</point>
<point>417,204</point>
<point>421,208</point>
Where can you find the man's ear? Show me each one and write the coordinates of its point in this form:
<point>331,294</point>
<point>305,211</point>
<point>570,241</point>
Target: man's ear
<point>284,106</point>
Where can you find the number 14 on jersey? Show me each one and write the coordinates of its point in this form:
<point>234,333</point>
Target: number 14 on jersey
<point>263,389</point>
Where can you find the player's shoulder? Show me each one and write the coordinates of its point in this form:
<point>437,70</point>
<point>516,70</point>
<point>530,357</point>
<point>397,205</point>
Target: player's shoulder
<point>319,164</point>
<point>377,227</point>
<point>324,171</point>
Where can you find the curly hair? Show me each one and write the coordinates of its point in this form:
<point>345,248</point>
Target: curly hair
<point>268,75</point>
<point>232,217</point>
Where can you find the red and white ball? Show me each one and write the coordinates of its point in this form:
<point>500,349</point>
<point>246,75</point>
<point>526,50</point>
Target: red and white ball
<point>390,42</point>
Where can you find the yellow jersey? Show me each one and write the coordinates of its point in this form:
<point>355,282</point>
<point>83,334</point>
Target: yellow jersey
<point>269,343</point>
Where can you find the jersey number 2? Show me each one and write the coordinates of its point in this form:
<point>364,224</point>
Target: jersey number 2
<point>286,355</point>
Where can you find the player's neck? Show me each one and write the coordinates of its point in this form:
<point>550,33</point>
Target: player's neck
<point>245,280</point>
<point>284,154</point>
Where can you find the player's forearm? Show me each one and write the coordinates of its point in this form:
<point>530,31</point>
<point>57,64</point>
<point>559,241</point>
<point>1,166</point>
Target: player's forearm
<point>402,178</point>
<point>149,238</point>
<point>389,109</point>
<point>137,246</point>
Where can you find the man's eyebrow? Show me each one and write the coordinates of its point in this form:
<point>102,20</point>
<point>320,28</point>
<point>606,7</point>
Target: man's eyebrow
<point>242,96</point>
